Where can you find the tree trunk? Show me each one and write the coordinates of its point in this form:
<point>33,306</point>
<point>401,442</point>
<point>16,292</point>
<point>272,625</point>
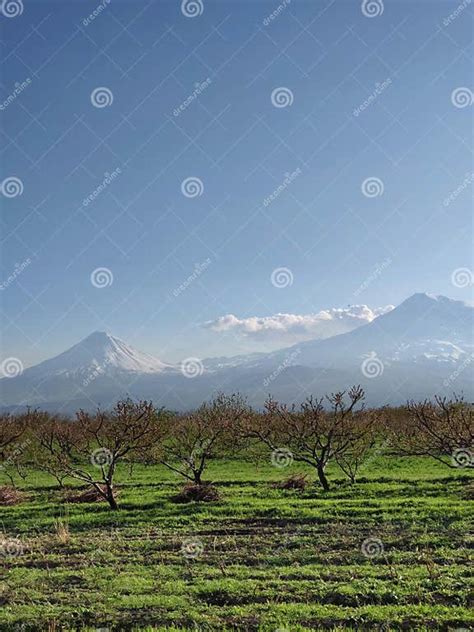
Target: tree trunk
<point>322,478</point>
<point>197,477</point>
<point>111,498</point>
<point>113,503</point>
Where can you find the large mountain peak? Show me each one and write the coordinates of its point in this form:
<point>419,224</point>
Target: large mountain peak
<point>423,346</point>
<point>100,351</point>
<point>428,315</point>
<point>423,299</point>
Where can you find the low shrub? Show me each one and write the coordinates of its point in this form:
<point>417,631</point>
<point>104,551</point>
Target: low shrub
<point>10,496</point>
<point>295,481</point>
<point>199,493</point>
<point>87,495</point>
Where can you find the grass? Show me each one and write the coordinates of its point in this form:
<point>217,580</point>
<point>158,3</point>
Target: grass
<point>259,559</point>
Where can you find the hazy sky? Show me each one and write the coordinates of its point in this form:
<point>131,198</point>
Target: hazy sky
<point>331,140</point>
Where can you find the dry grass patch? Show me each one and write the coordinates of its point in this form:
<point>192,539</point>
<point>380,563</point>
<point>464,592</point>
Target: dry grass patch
<point>10,496</point>
<point>87,495</point>
<point>199,493</point>
<point>295,481</point>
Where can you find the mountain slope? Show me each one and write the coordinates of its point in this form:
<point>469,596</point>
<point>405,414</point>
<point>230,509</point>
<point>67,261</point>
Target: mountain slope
<point>422,347</point>
<point>98,366</point>
<point>422,328</point>
<point>99,351</point>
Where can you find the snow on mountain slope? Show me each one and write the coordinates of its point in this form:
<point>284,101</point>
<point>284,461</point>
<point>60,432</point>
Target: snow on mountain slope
<point>98,352</point>
<point>441,351</point>
<point>425,344</point>
<point>100,368</point>
<point>423,326</point>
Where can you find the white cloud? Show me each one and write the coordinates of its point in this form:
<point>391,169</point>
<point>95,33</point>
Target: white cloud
<point>298,327</point>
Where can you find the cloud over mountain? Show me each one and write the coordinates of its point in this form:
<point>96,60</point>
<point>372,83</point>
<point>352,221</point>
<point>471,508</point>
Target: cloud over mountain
<point>298,327</point>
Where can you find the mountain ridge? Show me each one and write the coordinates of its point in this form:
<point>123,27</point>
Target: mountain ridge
<point>429,338</point>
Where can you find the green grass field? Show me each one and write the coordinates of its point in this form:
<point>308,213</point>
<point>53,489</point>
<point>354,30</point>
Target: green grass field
<point>260,559</point>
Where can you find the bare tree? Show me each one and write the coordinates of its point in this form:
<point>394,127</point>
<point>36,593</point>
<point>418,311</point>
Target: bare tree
<point>90,448</point>
<point>361,429</point>
<point>443,429</point>
<point>312,434</point>
<point>53,447</point>
<point>15,441</point>
<point>194,438</point>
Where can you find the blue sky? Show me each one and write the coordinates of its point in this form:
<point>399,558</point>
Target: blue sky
<point>366,97</point>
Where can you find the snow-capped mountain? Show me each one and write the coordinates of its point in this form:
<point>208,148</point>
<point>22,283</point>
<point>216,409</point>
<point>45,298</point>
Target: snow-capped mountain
<point>423,327</point>
<point>421,348</point>
<point>98,369</point>
<point>100,352</point>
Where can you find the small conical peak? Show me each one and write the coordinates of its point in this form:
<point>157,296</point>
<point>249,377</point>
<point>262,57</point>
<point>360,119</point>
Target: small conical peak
<point>101,349</point>
<point>100,333</point>
<point>420,297</point>
<point>98,336</point>
<point>425,299</point>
